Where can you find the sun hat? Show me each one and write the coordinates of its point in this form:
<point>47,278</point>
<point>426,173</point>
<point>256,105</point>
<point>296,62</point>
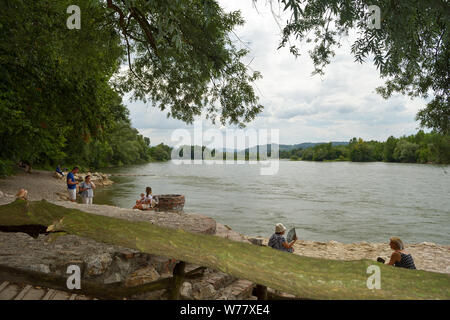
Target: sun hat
<point>279,227</point>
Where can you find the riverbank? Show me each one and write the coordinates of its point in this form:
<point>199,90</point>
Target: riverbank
<point>42,184</point>
<point>428,256</point>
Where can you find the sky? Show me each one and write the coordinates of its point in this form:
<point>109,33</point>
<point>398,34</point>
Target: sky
<point>337,106</point>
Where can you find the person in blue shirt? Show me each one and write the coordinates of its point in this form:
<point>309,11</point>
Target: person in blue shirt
<point>59,170</point>
<point>72,184</point>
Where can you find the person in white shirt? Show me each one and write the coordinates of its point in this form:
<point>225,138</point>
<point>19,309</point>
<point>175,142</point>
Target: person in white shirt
<point>148,202</point>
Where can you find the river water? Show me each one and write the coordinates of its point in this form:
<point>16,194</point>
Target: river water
<point>342,201</point>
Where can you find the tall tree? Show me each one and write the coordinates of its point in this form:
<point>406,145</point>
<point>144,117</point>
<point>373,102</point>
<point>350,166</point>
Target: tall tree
<point>181,57</point>
<point>60,89</point>
<point>55,81</point>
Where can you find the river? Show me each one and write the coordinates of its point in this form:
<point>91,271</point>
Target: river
<point>342,201</point>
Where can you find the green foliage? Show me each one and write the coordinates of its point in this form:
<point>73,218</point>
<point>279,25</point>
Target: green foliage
<point>410,49</point>
<point>405,151</point>
<point>6,167</point>
<point>182,58</point>
<point>389,148</point>
<point>57,103</point>
<point>161,152</point>
<point>419,148</point>
<point>361,151</point>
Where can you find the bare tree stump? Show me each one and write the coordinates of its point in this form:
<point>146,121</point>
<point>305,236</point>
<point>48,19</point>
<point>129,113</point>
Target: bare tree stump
<point>178,278</point>
<point>261,292</point>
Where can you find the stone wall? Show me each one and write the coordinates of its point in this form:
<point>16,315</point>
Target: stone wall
<point>170,202</point>
<point>106,264</point>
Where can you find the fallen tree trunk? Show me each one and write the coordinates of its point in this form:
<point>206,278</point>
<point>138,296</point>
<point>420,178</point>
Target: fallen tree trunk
<point>303,277</point>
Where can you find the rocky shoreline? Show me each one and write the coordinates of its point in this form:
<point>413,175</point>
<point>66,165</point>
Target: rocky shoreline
<point>427,255</point>
<point>43,185</point>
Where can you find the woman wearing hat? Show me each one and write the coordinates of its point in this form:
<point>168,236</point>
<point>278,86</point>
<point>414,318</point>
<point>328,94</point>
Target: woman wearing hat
<point>278,241</point>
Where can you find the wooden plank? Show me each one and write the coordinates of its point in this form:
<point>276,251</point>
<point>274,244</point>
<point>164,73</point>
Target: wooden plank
<point>73,296</point>
<point>34,294</point>
<point>23,293</point>
<point>4,285</point>
<point>49,295</point>
<point>61,295</point>
<point>9,292</point>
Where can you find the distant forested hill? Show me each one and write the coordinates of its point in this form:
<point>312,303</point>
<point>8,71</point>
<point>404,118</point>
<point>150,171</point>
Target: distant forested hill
<point>421,147</point>
<point>288,147</point>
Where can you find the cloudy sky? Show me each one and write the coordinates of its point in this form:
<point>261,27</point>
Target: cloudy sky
<point>335,107</point>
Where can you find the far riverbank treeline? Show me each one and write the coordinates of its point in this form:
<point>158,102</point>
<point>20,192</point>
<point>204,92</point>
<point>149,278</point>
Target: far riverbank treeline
<point>58,103</point>
<point>419,148</point>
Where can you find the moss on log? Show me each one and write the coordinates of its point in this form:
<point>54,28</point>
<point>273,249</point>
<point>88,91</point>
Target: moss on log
<point>303,277</point>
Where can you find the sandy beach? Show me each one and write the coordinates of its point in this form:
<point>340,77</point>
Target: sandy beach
<point>428,256</point>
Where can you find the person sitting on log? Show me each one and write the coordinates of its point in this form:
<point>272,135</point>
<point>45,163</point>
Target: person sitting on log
<point>278,241</point>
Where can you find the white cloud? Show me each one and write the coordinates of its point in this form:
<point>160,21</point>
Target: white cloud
<point>337,106</point>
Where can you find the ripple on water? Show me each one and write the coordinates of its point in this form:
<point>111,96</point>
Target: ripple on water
<point>347,202</point>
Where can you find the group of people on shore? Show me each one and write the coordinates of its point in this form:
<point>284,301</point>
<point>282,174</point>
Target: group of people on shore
<point>146,201</point>
<point>399,258</point>
<point>85,189</point>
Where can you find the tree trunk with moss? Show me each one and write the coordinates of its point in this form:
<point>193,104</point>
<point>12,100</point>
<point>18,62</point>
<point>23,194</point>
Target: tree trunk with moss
<point>303,277</point>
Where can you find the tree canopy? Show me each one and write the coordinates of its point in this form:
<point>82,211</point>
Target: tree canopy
<point>410,49</point>
<point>61,90</point>
<point>181,57</point>
<point>56,100</point>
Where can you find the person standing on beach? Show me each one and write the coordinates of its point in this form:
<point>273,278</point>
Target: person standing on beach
<point>87,190</point>
<point>72,184</point>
